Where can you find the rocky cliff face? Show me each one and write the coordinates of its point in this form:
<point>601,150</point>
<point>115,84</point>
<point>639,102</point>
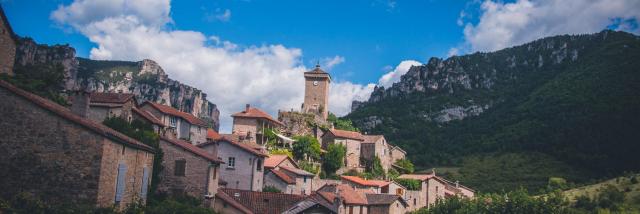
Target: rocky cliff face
<point>146,79</point>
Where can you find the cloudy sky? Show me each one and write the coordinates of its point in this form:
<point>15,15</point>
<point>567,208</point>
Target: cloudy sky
<point>254,51</point>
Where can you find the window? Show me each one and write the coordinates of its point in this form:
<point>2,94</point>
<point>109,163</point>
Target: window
<point>215,172</point>
<point>414,201</point>
<point>259,165</point>
<point>231,163</point>
<point>305,179</point>
<point>350,209</point>
<point>173,121</point>
<point>199,131</point>
<point>120,183</point>
<point>145,182</point>
<point>180,167</point>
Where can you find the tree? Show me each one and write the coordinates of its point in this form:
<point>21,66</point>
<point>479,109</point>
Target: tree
<point>306,146</point>
<point>375,168</point>
<point>406,165</point>
<point>334,159</point>
<point>342,124</point>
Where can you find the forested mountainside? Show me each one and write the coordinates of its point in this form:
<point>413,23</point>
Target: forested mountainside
<point>562,106</point>
<point>146,79</point>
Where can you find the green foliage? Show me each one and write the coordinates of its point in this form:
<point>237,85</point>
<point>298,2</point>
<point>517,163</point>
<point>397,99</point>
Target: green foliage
<point>407,166</point>
<point>579,114</point>
<point>610,198</point>
<point>375,169</point>
<point>393,174</point>
<point>634,180</point>
<point>309,167</point>
<point>342,124</point>
<point>281,152</point>
<point>410,184</point>
<point>271,189</point>
<point>306,146</point>
<point>144,133</point>
<point>557,183</point>
<point>334,158</point>
<point>512,202</point>
<point>45,80</point>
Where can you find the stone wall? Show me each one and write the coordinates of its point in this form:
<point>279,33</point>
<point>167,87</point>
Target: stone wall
<point>244,175</point>
<point>316,96</point>
<point>199,178</point>
<point>271,179</point>
<point>7,47</point>
<point>243,126</point>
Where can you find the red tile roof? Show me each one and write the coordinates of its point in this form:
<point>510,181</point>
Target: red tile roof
<point>105,97</point>
<point>371,138</point>
<point>228,199</point>
<point>68,115</point>
<point>252,112</point>
<point>148,116</point>
<point>212,134</point>
<point>275,160</point>
<point>347,134</point>
<point>263,202</point>
<point>350,195</point>
<point>422,177</point>
<point>283,176</point>
<point>297,171</point>
<point>249,147</point>
<point>175,112</point>
<point>383,199</point>
<point>363,182</point>
<point>193,149</point>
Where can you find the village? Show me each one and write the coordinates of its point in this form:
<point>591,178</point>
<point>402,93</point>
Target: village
<point>296,162</point>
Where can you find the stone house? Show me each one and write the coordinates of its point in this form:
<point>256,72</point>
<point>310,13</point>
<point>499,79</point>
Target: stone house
<point>374,186</point>
<point>244,201</point>
<point>188,169</point>
<point>42,140</point>
<point>180,124</point>
<point>284,174</point>
<point>352,141</point>
<point>244,168</point>
<point>376,146</point>
<point>251,123</point>
<point>397,153</point>
<point>314,204</point>
<point>433,188</point>
<point>347,200</point>
<point>7,45</point>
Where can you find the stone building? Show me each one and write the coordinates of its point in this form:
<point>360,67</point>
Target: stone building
<point>316,92</point>
<point>351,140</point>
<point>249,202</point>
<point>347,200</point>
<point>374,186</point>
<point>432,188</point>
<point>244,168</point>
<point>7,45</point>
<point>397,153</point>
<point>182,125</point>
<point>376,146</point>
<point>251,123</point>
<point>188,169</point>
<point>284,174</point>
<point>51,152</point>
<point>105,105</point>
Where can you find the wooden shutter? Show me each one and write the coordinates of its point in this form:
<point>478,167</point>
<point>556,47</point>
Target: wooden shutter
<point>121,182</point>
<point>180,167</point>
<point>145,183</point>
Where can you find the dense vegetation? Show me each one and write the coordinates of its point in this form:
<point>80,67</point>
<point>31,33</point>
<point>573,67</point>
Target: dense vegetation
<point>572,119</point>
<point>45,80</point>
<point>341,124</point>
<point>333,159</point>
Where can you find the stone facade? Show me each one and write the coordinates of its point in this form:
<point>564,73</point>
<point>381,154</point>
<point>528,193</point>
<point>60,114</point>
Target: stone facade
<point>200,178</point>
<point>396,153</point>
<point>352,159</point>
<point>243,169</point>
<point>7,45</point>
<point>316,92</point>
<point>376,146</point>
<point>395,207</point>
<point>181,129</point>
<point>47,150</point>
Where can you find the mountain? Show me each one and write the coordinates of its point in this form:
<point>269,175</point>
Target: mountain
<point>563,106</point>
<point>146,79</point>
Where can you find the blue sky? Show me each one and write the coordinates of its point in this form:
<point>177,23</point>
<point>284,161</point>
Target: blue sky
<point>370,35</point>
<point>254,51</point>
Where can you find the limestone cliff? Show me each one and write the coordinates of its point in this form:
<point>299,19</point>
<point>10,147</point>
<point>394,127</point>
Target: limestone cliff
<point>146,79</point>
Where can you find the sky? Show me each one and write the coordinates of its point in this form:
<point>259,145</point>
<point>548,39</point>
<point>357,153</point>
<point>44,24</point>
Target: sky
<point>254,51</point>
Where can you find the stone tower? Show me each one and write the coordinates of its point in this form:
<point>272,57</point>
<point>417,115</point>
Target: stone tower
<point>316,92</point>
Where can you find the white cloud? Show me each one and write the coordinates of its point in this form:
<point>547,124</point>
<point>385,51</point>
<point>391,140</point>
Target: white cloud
<point>82,12</point>
<point>329,63</point>
<point>394,76</point>
<point>224,16</point>
<point>267,76</point>
<point>453,52</point>
<point>503,25</point>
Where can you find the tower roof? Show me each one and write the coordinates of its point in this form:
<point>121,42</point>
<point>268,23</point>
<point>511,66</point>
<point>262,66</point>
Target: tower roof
<point>318,73</point>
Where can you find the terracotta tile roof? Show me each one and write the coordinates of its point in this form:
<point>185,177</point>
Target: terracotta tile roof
<point>148,116</point>
<point>297,171</point>
<point>212,134</point>
<point>263,202</point>
<point>371,138</point>
<point>313,200</point>
<point>193,149</point>
<point>363,182</point>
<point>175,112</point>
<point>249,147</point>
<point>283,176</point>
<point>348,194</point>
<point>347,134</point>
<point>421,177</point>
<point>229,200</point>
<point>68,115</point>
<point>383,199</point>
<point>105,97</point>
<point>275,160</point>
<point>251,112</point>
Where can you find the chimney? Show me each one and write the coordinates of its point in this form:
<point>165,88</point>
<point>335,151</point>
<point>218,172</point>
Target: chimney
<point>337,201</point>
<point>81,100</point>
<point>247,108</point>
<point>457,184</point>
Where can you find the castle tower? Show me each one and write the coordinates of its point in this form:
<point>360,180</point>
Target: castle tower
<point>316,92</point>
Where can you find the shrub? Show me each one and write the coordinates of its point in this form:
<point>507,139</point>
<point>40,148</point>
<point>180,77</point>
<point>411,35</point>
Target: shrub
<point>410,184</point>
<point>334,158</point>
<point>309,167</point>
<point>271,189</point>
<point>406,165</point>
<point>306,147</point>
<point>281,152</point>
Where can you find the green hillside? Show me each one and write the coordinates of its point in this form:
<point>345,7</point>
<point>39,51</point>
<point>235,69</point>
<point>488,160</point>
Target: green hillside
<point>571,117</point>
